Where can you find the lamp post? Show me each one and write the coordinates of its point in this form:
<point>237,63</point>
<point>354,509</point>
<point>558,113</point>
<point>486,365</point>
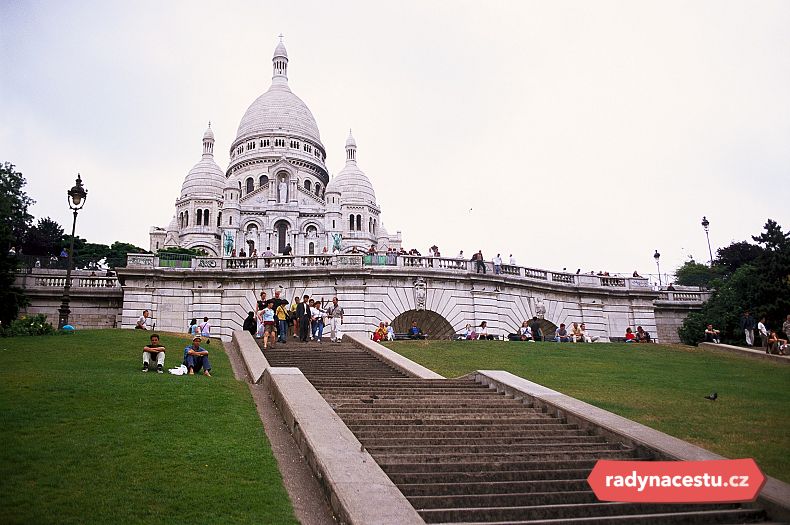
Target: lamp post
<point>77,196</point>
<point>705,225</point>
<point>657,256</point>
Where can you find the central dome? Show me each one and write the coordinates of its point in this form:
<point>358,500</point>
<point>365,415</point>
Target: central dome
<point>279,110</point>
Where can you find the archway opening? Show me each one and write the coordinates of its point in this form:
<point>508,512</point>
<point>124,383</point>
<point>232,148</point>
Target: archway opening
<point>432,324</point>
<point>282,235</point>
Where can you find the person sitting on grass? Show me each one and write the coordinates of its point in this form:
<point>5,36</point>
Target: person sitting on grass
<point>390,332</point>
<point>381,333</point>
<point>142,321</point>
<point>524,333</point>
<point>587,338</point>
<point>711,334</point>
<point>561,334</point>
<point>154,350</point>
<point>629,335</point>
<point>482,332</point>
<point>537,333</point>
<point>641,335</point>
<point>415,332</point>
<point>577,335</point>
<point>195,358</point>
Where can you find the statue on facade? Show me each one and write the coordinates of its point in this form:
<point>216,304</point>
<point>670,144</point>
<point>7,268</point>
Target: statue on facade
<point>336,241</point>
<point>420,293</point>
<point>282,187</point>
<point>540,308</point>
<point>228,244</point>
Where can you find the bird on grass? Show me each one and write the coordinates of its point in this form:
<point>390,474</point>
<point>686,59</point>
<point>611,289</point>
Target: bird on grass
<point>713,396</point>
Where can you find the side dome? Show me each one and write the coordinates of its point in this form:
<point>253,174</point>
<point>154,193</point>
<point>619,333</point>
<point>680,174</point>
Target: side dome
<point>205,178</point>
<point>351,183</point>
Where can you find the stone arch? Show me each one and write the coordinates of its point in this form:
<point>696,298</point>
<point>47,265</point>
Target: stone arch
<point>430,322</point>
<point>281,228</point>
<point>547,327</point>
<point>211,251</point>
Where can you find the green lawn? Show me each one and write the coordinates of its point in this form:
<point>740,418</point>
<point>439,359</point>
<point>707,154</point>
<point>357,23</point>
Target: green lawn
<point>86,437</point>
<point>659,386</point>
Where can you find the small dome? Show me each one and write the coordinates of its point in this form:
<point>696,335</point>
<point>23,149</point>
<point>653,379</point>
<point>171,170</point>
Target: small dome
<point>230,184</point>
<point>173,226</point>
<point>209,134</point>
<point>353,186</point>
<point>205,179</point>
<point>350,142</point>
<point>280,51</point>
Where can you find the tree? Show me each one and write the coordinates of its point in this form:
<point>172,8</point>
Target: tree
<point>693,273</point>
<point>45,238</point>
<point>732,257</point>
<point>15,222</point>
<point>761,286</point>
<point>117,254</point>
<point>90,255</point>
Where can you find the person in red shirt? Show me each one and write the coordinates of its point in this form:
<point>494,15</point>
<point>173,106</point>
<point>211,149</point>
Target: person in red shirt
<point>629,335</point>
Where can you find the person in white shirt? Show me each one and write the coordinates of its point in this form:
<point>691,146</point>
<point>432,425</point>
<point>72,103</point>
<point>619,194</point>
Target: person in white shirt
<point>142,321</point>
<point>390,332</point>
<point>205,329</point>
<point>317,320</point>
<point>512,260</point>
<point>334,314</point>
<point>497,264</point>
<point>763,333</point>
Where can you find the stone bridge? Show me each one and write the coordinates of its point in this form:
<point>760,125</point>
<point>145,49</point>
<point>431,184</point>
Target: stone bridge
<point>442,294</point>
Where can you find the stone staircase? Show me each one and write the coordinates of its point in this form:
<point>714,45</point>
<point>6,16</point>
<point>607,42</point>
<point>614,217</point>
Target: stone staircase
<point>463,453</point>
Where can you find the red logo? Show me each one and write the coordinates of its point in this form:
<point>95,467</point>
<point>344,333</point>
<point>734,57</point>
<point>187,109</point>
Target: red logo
<point>716,481</point>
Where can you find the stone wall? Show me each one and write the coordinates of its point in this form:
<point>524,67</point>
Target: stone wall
<point>669,317</point>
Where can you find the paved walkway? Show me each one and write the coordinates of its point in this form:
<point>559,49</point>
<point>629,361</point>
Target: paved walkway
<point>755,352</point>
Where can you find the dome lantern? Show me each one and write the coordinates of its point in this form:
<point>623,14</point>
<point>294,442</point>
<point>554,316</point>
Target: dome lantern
<point>208,142</point>
<point>351,148</point>
<point>280,63</point>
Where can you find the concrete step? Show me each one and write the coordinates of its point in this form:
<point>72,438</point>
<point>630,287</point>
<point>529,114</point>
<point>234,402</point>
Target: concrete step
<point>465,435</point>
<point>494,487</point>
<point>566,497</point>
<point>478,477</point>
<point>516,439</point>
<point>560,511</point>
<point>384,459</point>
<point>704,517</point>
<point>482,448</point>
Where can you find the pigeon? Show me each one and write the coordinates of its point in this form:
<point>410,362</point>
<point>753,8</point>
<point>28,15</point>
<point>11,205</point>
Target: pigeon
<point>712,397</point>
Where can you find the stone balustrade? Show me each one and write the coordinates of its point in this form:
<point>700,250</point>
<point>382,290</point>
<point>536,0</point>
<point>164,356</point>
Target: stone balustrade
<point>59,281</point>
<point>385,262</point>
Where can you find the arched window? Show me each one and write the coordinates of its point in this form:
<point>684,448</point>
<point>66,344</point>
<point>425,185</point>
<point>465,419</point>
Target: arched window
<point>374,226</point>
<point>312,231</point>
<point>370,224</point>
<point>333,224</point>
<point>199,217</point>
<point>311,248</point>
<point>359,222</point>
<point>219,219</point>
<point>239,185</point>
<point>351,222</point>
<point>206,216</point>
<point>307,185</point>
<point>318,189</point>
<point>264,180</point>
<point>181,220</point>
<point>186,218</point>
<point>230,221</point>
<point>250,185</point>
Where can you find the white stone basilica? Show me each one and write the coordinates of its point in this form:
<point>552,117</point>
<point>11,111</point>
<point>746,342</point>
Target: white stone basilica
<point>277,189</point>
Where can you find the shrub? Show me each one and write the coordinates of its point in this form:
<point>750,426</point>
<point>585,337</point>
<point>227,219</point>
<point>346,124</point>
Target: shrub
<point>31,325</point>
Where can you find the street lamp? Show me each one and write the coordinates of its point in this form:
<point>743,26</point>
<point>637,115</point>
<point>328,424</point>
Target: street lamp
<point>77,196</point>
<point>657,256</point>
<point>705,225</point>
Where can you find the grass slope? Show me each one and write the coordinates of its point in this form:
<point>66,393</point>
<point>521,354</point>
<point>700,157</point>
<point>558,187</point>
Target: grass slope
<point>87,438</point>
<point>656,385</point>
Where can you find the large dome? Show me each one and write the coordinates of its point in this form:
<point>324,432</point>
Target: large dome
<point>278,109</point>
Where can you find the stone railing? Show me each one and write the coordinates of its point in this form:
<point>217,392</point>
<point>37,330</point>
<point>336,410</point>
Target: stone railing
<point>59,281</point>
<point>387,262</point>
<point>684,296</point>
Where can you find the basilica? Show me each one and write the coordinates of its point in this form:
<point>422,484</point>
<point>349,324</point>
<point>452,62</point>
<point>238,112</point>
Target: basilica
<point>277,190</point>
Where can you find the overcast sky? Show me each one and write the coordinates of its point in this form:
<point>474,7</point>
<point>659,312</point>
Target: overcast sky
<point>571,134</point>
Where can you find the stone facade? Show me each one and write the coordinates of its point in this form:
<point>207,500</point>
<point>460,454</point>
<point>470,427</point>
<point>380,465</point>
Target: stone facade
<point>276,189</point>
<point>222,289</point>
